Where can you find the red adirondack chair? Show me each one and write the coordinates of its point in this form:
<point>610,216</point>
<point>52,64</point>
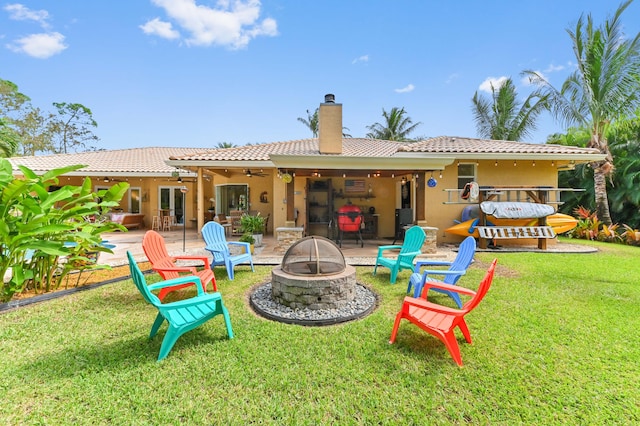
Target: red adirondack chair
<point>439,320</point>
<point>156,251</point>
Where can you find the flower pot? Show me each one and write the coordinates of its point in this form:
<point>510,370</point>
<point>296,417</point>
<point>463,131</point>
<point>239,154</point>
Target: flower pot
<point>258,238</point>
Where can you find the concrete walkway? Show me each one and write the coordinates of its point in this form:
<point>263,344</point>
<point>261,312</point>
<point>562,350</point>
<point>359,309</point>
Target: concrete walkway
<point>194,245</point>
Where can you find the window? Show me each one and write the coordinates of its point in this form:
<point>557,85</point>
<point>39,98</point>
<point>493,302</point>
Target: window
<point>466,174</point>
<point>134,199</point>
<point>231,197</point>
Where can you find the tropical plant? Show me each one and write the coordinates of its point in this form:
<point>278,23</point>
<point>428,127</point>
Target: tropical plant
<point>604,87</point>
<point>252,224</point>
<point>311,122</point>
<point>247,238</point>
<point>397,126</point>
<point>41,222</point>
<point>504,117</point>
<point>225,145</point>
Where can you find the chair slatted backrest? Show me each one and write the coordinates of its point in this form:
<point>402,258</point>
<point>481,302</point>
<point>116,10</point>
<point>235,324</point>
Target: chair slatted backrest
<point>466,251</point>
<point>483,288</point>
<point>141,283</point>
<point>213,235</point>
<point>413,240</point>
<point>154,247</point>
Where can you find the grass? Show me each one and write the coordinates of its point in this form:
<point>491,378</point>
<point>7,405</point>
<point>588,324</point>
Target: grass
<point>555,342</point>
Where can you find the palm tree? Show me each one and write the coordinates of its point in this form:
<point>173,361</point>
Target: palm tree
<point>604,87</point>
<point>504,117</point>
<point>396,127</point>
<point>225,145</point>
<point>311,122</point>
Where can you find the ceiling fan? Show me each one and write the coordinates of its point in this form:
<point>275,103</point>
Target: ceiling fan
<point>249,173</point>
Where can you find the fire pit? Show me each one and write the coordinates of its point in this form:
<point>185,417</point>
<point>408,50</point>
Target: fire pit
<point>314,286</point>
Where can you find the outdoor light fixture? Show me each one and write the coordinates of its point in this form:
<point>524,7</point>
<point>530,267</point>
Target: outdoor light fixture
<point>534,163</point>
<point>514,163</point>
<point>496,163</point>
<point>403,181</point>
<point>248,173</point>
<point>440,174</point>
<point>105,180</point>
<point>180,179</point>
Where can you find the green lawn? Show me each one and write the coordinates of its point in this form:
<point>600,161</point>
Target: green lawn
<point>555,342</point>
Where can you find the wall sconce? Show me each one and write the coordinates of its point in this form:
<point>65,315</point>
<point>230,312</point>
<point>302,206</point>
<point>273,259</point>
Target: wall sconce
<point>496,163</point>
<point>440,174</point>
<point>514,163</point>
<point>403,181</point>
<point>105,180</point>
<point>553,163</point>
<point>393,175</point>
<point>534,163</point>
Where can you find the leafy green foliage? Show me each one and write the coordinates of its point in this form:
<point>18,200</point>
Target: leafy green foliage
<point>37,218</point>
<point>603,89</point>
<point>505,117</point>
<point>396,127</point>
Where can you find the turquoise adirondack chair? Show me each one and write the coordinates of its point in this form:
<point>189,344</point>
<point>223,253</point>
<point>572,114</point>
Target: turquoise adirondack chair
<point>410,248</point>
<point>217,244</point>
<point>183,315</point>
<point>457,268</point>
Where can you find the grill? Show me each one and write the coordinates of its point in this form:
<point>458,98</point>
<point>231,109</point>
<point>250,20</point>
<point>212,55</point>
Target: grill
<point>350,220</point>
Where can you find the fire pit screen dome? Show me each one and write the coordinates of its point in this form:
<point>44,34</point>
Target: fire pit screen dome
<point>313,255</point>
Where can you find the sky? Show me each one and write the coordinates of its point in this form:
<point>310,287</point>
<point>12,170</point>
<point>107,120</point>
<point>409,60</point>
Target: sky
<point>195,73</point>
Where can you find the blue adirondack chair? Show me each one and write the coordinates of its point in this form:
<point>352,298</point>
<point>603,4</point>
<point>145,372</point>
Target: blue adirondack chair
<point>410,248</point>
<point>457,268</point>
<point>183,315</point>
<point>217,244</point>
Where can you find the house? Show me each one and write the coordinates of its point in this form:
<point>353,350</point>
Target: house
<point>304,182</point>
<point>154,185</point>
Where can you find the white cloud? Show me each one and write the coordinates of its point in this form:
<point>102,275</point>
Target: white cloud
<point>20,12</point>
<point>408,88</point>
<point>363,58</point>
<point>554,68</point>
<point>452,78</point>
<point>40,46</point>
<point>495,82</point>
<point>160,28</point>
<point>229,23</point>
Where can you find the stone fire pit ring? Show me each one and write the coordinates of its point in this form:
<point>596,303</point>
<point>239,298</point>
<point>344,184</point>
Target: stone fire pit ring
<point>262,302</point>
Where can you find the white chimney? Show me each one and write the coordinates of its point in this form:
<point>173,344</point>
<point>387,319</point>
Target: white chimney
<point>330,126</point>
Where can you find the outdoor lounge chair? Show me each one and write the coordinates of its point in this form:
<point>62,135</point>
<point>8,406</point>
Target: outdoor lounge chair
<point>457,268</point>
<point>156,251</point>
<point>439,320</point>
<point>410,248</point>
<point>182,315</point>
<point>216,243</point>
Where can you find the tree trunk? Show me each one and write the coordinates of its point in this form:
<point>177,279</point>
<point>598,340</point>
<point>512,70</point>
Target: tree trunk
<point>600,189</point>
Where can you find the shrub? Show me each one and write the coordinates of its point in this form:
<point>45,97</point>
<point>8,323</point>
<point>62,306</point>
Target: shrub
<point>41,222</point>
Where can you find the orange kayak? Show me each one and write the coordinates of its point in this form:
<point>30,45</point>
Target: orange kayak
<point>558,221</point>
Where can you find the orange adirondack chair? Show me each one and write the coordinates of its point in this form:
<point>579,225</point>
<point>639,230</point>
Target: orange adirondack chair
<point>439,320</point>
<point>156,251</point>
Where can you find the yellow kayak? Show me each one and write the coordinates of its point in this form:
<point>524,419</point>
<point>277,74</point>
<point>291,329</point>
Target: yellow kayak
<point>558,221</point>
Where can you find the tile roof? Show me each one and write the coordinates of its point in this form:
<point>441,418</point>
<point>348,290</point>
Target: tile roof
<point>461,145</point>
<point>144,161</point>
<point>352,147</point>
